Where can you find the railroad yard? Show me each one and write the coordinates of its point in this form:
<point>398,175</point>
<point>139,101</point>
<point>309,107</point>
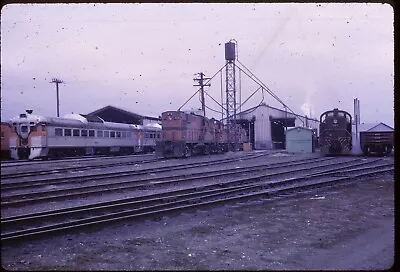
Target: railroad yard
<point>235,211</point>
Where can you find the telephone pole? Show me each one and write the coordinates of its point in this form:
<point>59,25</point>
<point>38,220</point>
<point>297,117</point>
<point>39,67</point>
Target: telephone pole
<point>201,84</point>
<point>57,81</point>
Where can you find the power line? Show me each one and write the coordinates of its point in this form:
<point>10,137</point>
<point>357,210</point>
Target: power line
<point>57,81</point>
<point>200,89</point>
<point>201,84</point>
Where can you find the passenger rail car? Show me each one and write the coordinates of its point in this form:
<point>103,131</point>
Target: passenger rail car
<point>36,136</point>
<point>152,133</point>
<point>335,132</point>
<point>186,134</point>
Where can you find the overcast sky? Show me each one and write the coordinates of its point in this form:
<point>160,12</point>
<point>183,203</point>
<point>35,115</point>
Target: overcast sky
<point>143,57</point>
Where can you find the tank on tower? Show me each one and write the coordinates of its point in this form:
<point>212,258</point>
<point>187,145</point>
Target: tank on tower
<point>230,51</point>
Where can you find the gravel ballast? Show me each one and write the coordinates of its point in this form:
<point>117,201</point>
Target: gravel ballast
<point>346,227</point>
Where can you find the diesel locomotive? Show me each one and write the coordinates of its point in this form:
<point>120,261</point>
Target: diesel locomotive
<point>335,132</point>
<point>185,134</point>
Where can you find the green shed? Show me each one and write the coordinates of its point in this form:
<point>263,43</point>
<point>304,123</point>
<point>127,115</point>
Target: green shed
<point>299,139</point>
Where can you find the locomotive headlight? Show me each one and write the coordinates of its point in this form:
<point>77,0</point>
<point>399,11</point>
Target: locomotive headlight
<point>335,121</point>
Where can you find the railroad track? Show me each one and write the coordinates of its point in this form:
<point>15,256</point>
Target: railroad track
<point>241,189</point>
<point>13,199</point>
<point>13,163</point>
<point>38,172</point>
<point>118,174</point>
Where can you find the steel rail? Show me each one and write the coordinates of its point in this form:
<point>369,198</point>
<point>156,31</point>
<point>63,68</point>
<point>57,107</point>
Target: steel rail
<point>62,180</point>
<point>24,199</point>
<point>40,196</point>
<point>88,167</point>
<point>193,200</point>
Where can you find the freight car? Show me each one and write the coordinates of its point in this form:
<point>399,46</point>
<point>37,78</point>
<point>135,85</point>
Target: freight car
<point>335,132</point>
<point>35,136</point>
<point>187,134</point>
<point>5,135</point>
<point>378,142</point>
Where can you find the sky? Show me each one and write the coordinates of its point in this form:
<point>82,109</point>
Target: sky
<point>143,57</point>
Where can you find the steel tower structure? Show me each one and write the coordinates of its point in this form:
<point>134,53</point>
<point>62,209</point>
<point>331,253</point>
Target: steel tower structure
<point>230,84</point>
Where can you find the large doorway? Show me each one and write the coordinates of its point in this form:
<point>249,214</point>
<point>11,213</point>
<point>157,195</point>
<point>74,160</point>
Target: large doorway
<point>278,126</point>
<point>248,125</point>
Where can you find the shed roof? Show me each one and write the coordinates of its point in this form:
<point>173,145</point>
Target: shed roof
<point>118,115</point>
<point>304,128</point>
<point>268,106</point>
<point>374,127</point>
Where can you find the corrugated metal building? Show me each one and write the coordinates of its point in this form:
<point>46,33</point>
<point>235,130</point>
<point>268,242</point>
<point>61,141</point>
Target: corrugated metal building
<point>299,139</point>
<point>267,125</point>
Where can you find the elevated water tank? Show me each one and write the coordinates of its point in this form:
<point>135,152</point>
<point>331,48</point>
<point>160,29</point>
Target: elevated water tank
<point>230,51</point>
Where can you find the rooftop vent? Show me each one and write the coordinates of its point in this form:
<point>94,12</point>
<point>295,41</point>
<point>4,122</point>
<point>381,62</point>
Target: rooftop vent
<point>29,111</point>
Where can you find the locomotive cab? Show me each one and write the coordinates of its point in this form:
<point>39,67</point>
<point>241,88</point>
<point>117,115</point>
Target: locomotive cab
<point>335,132</point>
<point>28,137</point>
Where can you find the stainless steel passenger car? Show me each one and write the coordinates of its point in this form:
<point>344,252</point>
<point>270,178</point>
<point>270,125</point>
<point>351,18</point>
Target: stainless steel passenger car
<point>35,136</point>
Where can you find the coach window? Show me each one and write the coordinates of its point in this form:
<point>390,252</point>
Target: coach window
<point>123,134</point>
<point>75,132</point>
<point>129,134</point>
<point>106,134</point>
<point>118,134</point>
<point>83,132</point>
<point>91,133</point>
<point>112,134</point>
<point>67,132</point>
<point>58,132</point>
<point>100,133</point>
<point>2,134</point>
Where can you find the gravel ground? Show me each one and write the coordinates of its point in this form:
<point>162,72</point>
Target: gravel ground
<point>348,227</point>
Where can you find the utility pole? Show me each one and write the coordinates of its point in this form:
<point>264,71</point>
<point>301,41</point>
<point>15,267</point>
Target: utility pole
<point>57,81</point>
<point>201,84</point>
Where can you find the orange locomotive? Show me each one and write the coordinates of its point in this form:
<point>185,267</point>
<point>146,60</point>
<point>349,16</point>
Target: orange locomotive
<point>5,136</point>
<point>185,134</point>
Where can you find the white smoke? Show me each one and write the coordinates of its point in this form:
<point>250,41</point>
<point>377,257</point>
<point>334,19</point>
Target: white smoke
<point>308,106</point>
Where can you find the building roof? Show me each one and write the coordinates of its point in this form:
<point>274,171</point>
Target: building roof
<point>114,114</point>
<point>109,107</point>
<point>304,128</point>
<point>374,127</point>
<point>268,106</point>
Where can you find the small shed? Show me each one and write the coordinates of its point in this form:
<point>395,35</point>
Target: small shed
<point>299,139</point>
